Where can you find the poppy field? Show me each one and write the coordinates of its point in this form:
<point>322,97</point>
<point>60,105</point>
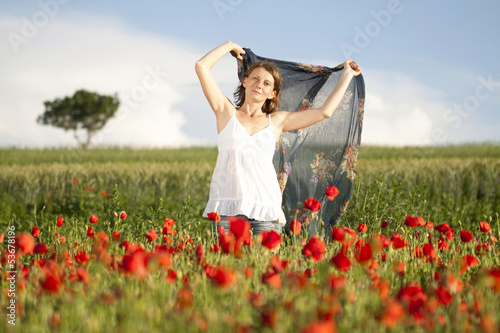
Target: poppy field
<point>114,240</point>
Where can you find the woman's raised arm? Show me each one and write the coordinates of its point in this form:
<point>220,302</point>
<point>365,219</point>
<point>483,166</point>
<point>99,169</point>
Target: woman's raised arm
<point>218,102</point>
<point>291,121</point>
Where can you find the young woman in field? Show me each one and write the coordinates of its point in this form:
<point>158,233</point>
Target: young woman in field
<point>244,183</point>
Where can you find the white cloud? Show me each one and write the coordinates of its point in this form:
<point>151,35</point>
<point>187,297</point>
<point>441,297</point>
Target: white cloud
<point>64,57</point>
<point>107,57</point>
<point>399,111</point>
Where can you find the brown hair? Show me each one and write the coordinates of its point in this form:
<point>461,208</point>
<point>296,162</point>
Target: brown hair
<point>270,105</point>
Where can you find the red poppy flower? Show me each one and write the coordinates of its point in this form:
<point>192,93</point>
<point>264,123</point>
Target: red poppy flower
<point>379,242</point>
<point>90,232</point>
<point>83,275</point>
<point>338,234</point>
<point>332,192</point>
<point>384,224</point>
<point>171,276</point>
<point>337,282</point>
<point>82,258</point>
<point>125,245</point>
<point>311,272</point>
<point>362,228</point>
<point>295,227</point>
<point>320,327</point>
<point>228,243</point>
<point>341,261</point>
<point>225,278</point>
<point>413,296</point>
<point>384,289</point>
<point>35,232</point>
<point>116,236</point>
<point>429,251</point>
<point>123,215</point>
<point>134,264</point>
<point>215,248</point>
<point>312,204</point>
<point>443,244</point>
<point>93,218</point>
<point>214,216</point>
<point>485,227</point>
<point>199,251</point>
<point>393,313</point>
<point>151,236</point>
<point>364,253</point>
<point>277,265</point>
<point>494,279</point>
<point>443,228</point>
<point>75,181</point>
<point>314,249</point>
<point>41,248</point>
<point>184,299</point>
<point>466,236</point>
<point>471,261</point>
<point>101,237</point>
<point>444,296</point>
<point>210,271</point>
<point>272,279</point>
<point>248,272</point>
<point>60,221</point>
<point>414,221</point>
<point>397,241</point>
<point>51,283</point>
<point>270,239</point>
<point>168,227</point>
<point>159,259</point>
<point>25,243</point>
<point>241,230</point>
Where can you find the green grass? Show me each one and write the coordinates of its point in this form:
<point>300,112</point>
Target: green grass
<point>456,184</point>
<point>15,156</point>
<point>459,185</point>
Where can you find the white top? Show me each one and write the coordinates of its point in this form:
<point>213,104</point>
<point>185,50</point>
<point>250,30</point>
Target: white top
<point>244,180</point>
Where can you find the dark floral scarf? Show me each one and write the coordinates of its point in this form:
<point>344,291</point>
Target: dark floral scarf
<point>311,160</point>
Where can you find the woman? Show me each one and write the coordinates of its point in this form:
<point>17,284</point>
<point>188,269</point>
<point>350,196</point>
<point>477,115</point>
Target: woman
<point>244,182</point>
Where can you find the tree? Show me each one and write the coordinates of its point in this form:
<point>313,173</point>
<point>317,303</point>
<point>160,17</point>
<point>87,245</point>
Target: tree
<point>84,110</point>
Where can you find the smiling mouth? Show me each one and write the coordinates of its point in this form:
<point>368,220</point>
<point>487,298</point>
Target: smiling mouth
<point>256,92</point>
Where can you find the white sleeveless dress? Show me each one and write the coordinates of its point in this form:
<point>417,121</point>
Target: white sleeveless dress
<point>244,179</point>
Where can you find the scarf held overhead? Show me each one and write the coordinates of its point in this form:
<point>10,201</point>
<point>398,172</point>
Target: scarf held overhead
<point>309,161</point>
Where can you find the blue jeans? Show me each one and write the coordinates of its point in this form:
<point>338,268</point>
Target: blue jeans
<point>257,227</point>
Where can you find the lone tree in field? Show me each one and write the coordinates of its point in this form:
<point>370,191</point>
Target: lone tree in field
<point>84,110</point>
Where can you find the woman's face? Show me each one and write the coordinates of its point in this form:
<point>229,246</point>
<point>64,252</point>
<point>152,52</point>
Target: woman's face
<point>259,85</point>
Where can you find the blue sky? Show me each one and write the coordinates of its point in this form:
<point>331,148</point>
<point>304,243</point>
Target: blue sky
<point>430,67</point>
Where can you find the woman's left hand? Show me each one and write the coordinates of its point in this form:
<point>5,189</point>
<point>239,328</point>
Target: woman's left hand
<point>352,68</point>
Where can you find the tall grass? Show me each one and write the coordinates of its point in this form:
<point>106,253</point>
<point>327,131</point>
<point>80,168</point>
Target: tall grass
<point>457,185</point>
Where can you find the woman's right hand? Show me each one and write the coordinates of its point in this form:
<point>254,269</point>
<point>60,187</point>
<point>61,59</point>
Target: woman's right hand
<point>237,51</point>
